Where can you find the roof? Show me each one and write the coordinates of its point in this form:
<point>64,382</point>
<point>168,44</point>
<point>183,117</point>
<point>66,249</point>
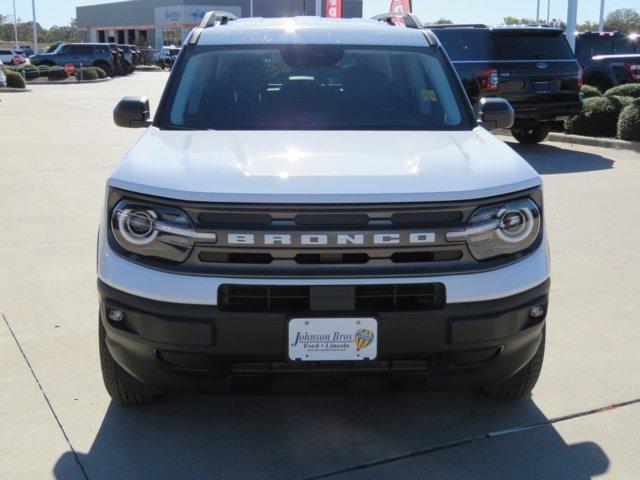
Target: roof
<point>311,30</point>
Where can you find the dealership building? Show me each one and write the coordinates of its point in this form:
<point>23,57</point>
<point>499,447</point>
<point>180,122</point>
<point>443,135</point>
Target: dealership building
<point>167,22</point>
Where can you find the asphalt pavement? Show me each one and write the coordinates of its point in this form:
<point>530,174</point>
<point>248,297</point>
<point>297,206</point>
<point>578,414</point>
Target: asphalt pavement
<point>59,144</point>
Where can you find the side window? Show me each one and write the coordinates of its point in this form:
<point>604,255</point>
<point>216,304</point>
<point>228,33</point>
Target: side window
<point>602,46</point>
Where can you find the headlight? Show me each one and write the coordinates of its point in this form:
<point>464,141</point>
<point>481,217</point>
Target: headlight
<point>155,231</point>
<point>501,229</point>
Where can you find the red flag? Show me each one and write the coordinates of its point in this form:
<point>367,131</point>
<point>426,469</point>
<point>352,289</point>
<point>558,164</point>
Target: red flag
<point>400,6</point>
<point>334,9</point>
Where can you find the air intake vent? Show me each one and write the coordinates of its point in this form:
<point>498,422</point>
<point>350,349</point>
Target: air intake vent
<point>300,299</point>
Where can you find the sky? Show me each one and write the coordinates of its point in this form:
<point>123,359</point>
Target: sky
<point>58,12</point>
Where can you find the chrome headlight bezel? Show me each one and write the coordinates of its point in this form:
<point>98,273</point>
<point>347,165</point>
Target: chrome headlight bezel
<point>151,230</point>
<point>504,228</point>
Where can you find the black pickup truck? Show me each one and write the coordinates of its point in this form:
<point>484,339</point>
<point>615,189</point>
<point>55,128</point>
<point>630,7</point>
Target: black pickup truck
<point>608,58</point>
<point>532,67</point>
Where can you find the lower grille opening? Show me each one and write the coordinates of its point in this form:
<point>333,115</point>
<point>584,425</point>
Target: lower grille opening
<point>296,299</point>
<point>249,258</point>
<point>423,257</point>
<point>331,258</point>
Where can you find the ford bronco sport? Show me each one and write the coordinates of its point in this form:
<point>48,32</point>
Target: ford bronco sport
<point>317,197</point>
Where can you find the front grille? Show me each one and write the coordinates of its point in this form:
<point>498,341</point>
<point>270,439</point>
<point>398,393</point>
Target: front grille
<point>268,240</point>
<point>357,298</point>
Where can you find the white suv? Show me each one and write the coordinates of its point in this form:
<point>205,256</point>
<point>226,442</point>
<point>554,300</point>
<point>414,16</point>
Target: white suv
<point>317,197</point>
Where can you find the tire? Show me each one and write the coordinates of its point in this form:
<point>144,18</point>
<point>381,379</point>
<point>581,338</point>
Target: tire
<point>531,135</point>
<point>104,66</point>
<point>523,382</point>
<point>601,83</point>
<point>119,384</point>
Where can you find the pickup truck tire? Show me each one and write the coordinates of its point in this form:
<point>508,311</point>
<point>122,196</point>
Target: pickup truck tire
<point>119,384</point>
<point>530,135</point>
<point>523,382</point>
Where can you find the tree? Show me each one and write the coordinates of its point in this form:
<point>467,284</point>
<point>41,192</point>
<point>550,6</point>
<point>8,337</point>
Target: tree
<point>444,21</point>
<point>623,20</point>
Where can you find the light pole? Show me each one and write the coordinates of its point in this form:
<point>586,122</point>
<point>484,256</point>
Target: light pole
<point>318,8</point>
<point>572,21</point>
<point>538,12</point>
<point>548,10</point>
<point>35,27</point>
<point>601,24</point>
<point>15,24</point>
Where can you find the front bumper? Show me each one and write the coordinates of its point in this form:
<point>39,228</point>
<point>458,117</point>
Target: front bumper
<point>170,346</point>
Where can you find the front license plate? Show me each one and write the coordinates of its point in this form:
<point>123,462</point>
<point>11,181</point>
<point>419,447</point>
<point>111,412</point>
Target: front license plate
<point>326,339</point>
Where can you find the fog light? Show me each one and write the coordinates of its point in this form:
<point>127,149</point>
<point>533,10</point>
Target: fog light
<point>537,311</point>
<point>116,315</point>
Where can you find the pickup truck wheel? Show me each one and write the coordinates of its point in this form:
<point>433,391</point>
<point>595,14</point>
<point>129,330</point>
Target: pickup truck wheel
<point>530,135</point>
<point>601,83</point>
<point>119,384</point>
<point>523,382</point>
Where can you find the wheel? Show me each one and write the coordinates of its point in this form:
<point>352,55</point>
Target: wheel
<point>601,83</point>
<point>119,384</point>
<point>523,382</point>
<point>530,135</point>
<point>104,66</point>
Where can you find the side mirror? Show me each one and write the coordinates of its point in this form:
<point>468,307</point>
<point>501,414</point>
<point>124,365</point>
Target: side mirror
<point>495,113</point>
<point>132,112</point>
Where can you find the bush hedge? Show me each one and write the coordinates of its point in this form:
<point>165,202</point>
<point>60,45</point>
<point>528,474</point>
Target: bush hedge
<point>629,122</point>
<point>599,117</point>
<point>57,73</point>
<point>101,73</point>
<point>30,72</point>
<point>88,73</point>
<point>626,90</point>
<point>43,70</point>
<point>15,80</point>
<point>590,91</point>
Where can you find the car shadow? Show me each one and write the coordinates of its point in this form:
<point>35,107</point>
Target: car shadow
<point>305,436</point>
<point>549,159</point>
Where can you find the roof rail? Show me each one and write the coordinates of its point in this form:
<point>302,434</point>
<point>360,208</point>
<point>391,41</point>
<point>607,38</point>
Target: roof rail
<point>457,25</point>
<point>410,20</point>
<point>215,18</point>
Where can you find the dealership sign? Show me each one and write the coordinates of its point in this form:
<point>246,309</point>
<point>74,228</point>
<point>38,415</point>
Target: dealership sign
<point>334,9</point>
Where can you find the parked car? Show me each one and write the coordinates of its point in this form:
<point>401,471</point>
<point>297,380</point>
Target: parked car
<point>165,57</point>
<point>128,60</point>
<point>3,76</point>
<point>533,68</point>
<point>608,58</point>
<point>27,50</point>
<point>10,56</point>
<point>319,203</point>
<point>85,54</point>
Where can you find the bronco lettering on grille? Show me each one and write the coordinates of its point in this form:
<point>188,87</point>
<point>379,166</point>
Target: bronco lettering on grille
<point>331,239</point>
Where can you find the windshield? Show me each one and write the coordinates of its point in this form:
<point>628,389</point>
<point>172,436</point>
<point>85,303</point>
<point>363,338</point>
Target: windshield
<point>297,87</point>
<point>531,46</point>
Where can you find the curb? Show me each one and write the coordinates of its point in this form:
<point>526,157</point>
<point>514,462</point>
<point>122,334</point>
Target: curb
<point>14,90</point>
<point>594,141</point>
<point>69,82</point>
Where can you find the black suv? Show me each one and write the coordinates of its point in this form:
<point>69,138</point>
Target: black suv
<point>533,67</point>
<point>85,54</point>
<point>608,58</point>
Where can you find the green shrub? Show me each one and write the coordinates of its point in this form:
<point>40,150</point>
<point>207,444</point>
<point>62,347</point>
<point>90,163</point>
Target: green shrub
<point>30,72</point>
<point>590,91</point>
<point>101,73</point>
<point>88,73</point>
<point>43,70</point>
<point>598,118</point>
<point>15,80</point>
<point>629,122</point>
<point>626,90</point>
<point>57,73</point>
<point>148,68</point>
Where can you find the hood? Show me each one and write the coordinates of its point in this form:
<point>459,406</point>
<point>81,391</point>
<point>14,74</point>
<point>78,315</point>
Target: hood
<point>322,166</point>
